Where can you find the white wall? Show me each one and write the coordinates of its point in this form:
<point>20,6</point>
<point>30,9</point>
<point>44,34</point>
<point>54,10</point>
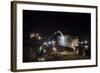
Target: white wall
<point>5,37</point>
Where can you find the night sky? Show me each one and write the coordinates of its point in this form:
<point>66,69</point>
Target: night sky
<point>48,22</point>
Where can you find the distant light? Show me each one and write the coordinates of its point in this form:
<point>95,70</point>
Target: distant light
<point>45,43</point>
<point>39,38</point>
<point>37,34</point>
<point>53,42</point>
<point>82,42</point>
<point>76,44</point>
<point>41,59</point>
<point>85,41</point>
<point>86,46</point>
<point>44,51</point>
<point>49,43</point>
<point>54,48</point>
<point>32,35</point>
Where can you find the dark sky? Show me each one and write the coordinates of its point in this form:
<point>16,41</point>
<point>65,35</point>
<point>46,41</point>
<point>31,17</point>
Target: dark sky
<point>47,22</point>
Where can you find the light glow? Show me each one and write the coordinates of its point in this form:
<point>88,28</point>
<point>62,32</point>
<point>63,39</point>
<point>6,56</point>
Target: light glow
<point>49,43</point>
<point>62,41</point>
<point>32,35</point>
<point>39,38</point>
<point>86,46</point>
<point>85,41</point>
<point>45,43</point>
<point>54,48</point>
<point>53,42</point>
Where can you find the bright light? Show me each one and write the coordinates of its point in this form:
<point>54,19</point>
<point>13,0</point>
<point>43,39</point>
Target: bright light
<point>86,46</point>
<point>44,51</point>
<point>49,42</point>
<point>85,41</point>
<point>45,43</point>
<point>37,34</point>
<point>54,49</point>
<point>82,42</point>
<point>39,38</point>
<point>53,42</point>
<point>32,35</point>
<point>76,44</point>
